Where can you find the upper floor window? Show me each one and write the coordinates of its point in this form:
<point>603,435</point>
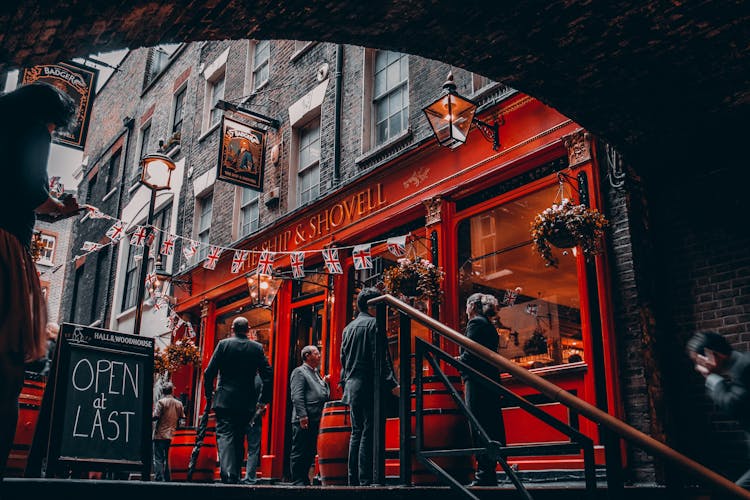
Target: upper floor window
<point>390,96</point>
<point>47,250</point>
<point>91,187</point>
<point>205,212</point>
<point>179,110</point>
<point>130,287</point>
<point>261,58</point>
<point>145,148</point>
<point>113,168</point>
<point>158,58</point>
<point>249,212</point>
<point>308,160</point>
<point>216,93</point>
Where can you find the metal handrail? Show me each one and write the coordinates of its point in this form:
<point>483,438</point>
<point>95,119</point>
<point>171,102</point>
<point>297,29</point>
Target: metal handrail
<point>560,395</point>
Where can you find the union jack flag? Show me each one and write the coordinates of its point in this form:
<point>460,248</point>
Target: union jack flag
<point>190,331</point>
<point>265,263</point>
<point>56,187</point>
<point>238,261</point>
<point>510,297</point>
<point>114,233</point>
<point>362,257</point>
<point>213,257</point>
<point>93,213</point>
<point>139,236</point>
<point>150,239</point>
<point>532,309</point>
<point>189,249</point>
<point>150,281</point>
<point>89,246</point>
<point>167,246</point>
<point>397,245</point>
<point>331,261</point>
<point>297,260</point>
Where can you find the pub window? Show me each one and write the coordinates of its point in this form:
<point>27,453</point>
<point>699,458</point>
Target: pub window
<point>261,63</point>
<point>390,96</point>
<point>205,211</point>
<point>249,211</point>
<point>539,319</point>
<point>47,250</point>
<point>179,109</point>
<point>308,159</point>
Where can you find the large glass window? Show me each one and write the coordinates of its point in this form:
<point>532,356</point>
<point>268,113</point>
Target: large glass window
<point>390,95</point>
<point>539,320</point>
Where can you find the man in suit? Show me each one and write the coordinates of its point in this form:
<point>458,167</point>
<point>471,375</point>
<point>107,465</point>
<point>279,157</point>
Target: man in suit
<point>727,374</point>
<point>357,369</point>
<point>309,392</point>
<point>236,360</point>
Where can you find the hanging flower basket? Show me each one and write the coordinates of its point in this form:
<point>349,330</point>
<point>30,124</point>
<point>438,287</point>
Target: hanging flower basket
<point>414,277</point>
<point>175,356</point>
<point>567,225</point>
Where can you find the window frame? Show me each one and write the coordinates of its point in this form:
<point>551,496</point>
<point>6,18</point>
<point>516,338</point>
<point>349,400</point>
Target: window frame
<point>130,279</point>
<point>244,205</point>
<point>181,93</point>
<point>199,229</point>
<point>143,147</point>
<point>258,66</point>
<point>51,260</point>
<point>382,98</point>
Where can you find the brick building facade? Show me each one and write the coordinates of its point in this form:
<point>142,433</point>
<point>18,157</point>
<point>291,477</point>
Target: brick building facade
<point>302,85</point>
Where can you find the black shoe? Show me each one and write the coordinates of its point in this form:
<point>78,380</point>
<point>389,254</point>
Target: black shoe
<point>478,482</point>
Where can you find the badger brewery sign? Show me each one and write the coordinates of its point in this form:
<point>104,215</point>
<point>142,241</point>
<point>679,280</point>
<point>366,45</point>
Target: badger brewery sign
<point>79,82</point>
<point>241,155</point>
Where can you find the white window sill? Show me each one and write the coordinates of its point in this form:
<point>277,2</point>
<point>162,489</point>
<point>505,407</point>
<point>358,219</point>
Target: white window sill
<point>126,314</point>
<point>208,132</point>
<point>301,52</point>
<point>382,148</point>
<point>134,187</point>
<point>109,195</point>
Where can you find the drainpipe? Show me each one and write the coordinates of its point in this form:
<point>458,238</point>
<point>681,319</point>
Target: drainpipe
<point>337,116</point>
<point>128,123</point>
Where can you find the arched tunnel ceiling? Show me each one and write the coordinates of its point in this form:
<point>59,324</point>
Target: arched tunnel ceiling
<point>659,79</point>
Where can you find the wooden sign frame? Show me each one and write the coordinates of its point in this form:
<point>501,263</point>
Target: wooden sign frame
<point>242,154</point>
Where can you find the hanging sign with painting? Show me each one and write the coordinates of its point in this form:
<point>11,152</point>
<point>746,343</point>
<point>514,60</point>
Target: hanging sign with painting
<point>79,82</point>
<point>241,155</point>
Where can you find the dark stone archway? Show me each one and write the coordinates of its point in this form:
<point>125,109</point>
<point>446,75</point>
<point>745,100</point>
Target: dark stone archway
<point>661,80</point>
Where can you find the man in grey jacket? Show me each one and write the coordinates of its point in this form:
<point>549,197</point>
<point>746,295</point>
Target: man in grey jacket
<point>309,392</point>
<point>236,360</point>
<point>357,369</point>
<point>727,374</point>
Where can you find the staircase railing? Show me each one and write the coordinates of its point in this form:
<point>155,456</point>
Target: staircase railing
<point>431,354</point>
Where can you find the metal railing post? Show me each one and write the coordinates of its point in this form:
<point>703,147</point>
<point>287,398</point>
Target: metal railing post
<point>378,434</point>
<point>404,407</point>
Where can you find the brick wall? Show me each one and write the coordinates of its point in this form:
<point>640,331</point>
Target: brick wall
<point>53,276</point>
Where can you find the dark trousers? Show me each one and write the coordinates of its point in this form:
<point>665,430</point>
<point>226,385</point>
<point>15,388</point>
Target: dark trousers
<point>231,426</point>
<point>161,465</point>
<point>486,406</point>
<point>11,383</point>
<point>254,433</point>
<point>360,444</point>
<point>304,447</point>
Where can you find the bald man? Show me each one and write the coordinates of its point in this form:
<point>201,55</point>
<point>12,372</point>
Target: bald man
<point>236,360</point>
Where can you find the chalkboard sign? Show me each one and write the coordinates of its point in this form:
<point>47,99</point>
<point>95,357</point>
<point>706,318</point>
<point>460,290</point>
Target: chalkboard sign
<point>101,408</point>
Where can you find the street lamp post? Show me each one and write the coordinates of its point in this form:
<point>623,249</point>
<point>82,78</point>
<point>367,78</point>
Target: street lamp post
<point>156,174</point>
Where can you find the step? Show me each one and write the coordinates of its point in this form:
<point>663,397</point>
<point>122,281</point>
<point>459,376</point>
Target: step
<point>27,489</point>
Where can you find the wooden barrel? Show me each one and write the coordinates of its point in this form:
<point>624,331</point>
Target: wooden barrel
<point>180,451</point>
<point>29,403</point>
<point>444,428</point>
<point>333,443</point>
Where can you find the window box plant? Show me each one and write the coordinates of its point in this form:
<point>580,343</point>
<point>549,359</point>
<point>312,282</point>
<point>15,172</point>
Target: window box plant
<point>567,225</point>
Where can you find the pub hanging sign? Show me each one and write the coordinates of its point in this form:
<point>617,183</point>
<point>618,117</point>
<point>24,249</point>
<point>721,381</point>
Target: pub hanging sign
<point>241,155</point>
<point>79,82</point>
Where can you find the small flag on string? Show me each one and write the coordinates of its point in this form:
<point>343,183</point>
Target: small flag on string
<point>212,258</point>
<point>331,261</point>
<point>150,281</point>
<point>167,246</point>
<point>532,309</point>
<point>150,239</point>
<point>362,257</point>
<point>238,261</point>
<point>89,246</point>
<point>139,236</point>
<point>56,188</point>
<point>297,260</point>
<point>265,263</point>
<point>510,297</point>
<point>190,331</point>
<point>189,249</point>
<point>397,245</point>
<point>115,232</point>
<point>95,213</point>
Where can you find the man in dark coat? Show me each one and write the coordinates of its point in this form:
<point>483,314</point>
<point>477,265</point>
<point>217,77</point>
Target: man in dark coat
<point>236,360</point>
<point>483,402</point>
<point>357,369</point>
<point>727,374</point>
<point>309,393</point>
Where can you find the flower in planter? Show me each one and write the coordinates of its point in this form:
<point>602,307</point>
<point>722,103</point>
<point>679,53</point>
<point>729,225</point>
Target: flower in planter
<point>567,225</point>
<point>414,277</point>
